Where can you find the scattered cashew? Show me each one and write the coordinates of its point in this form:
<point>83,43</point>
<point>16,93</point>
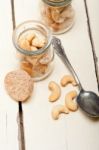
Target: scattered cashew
<point>68,79</point>
<point>56,91</point>
<point>57,110</point>
<point>70,104</point>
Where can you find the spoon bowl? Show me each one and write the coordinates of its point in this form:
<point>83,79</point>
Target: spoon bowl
<point>87,100</point>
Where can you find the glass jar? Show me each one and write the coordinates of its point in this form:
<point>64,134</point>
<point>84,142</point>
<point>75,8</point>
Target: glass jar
<point>58,15</point>
<point>32,40</point>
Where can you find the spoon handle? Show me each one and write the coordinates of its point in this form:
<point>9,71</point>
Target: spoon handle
<point>61,53</point>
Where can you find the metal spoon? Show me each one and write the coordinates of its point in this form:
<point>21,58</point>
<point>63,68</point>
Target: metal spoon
<point>87,100</point>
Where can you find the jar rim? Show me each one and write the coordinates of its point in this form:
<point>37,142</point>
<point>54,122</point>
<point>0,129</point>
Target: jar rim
<point>57,3</point>
<point>37,52</point>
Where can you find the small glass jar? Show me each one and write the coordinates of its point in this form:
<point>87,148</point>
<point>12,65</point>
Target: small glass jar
<point>58,15</point>
<point>32,40</point>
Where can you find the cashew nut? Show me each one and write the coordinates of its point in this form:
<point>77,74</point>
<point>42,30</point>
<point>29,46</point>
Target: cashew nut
<point>57,110</point>
<point>33,48</point>
<point>70,104</point>
<point>39,43</point>
<point>24,44</point>
<point>56,91</point>
<point>26,66</point>
<point>56,16</point>
<point>68,13</point>
<point>68,79</point>
<point>30,37</point>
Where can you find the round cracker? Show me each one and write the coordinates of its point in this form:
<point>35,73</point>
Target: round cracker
<point>19,85</point>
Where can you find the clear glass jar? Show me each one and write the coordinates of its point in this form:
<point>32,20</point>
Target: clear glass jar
<point>32,40</point>
<point>58,15</point>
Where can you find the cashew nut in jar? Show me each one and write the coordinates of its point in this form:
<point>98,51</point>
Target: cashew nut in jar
<point>24,44</point>
<point>38,42</point>
<point>58,110</point>
<point>60,26</point>
<point>68,79</point>
<point>32,39</point>
<point>26,66</point>
<point>69,101</point>
<point>56,91</point>
<point>58,16</point>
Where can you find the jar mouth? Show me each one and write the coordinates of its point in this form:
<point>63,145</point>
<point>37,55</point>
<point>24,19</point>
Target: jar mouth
<point>57,3</point>
<point>17,33</point>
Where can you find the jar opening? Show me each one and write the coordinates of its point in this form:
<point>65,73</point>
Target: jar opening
<point>35,26</point>
<point>58,3</point>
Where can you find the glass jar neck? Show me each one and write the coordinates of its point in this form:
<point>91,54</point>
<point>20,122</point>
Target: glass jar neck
<point>57,3</point>
<point>32,25</point>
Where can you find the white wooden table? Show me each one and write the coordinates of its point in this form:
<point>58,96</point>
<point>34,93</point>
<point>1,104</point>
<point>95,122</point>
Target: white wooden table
<point>38,131</point>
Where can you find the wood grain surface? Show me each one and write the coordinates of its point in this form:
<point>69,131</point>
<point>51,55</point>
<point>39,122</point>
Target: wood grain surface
<point>29,125</point>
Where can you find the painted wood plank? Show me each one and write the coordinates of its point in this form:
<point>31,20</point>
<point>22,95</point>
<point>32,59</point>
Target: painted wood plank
<point>74,131</point>
<point>3,137</point>
<point>93,12</point>
<point>8,107</point>
<point>94,24</point>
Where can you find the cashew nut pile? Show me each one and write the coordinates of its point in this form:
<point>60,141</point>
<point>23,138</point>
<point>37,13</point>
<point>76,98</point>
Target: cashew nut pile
<point>58,18</point>
<point>31,41</point>
<point>33,65</point>
<point>70,103</point>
